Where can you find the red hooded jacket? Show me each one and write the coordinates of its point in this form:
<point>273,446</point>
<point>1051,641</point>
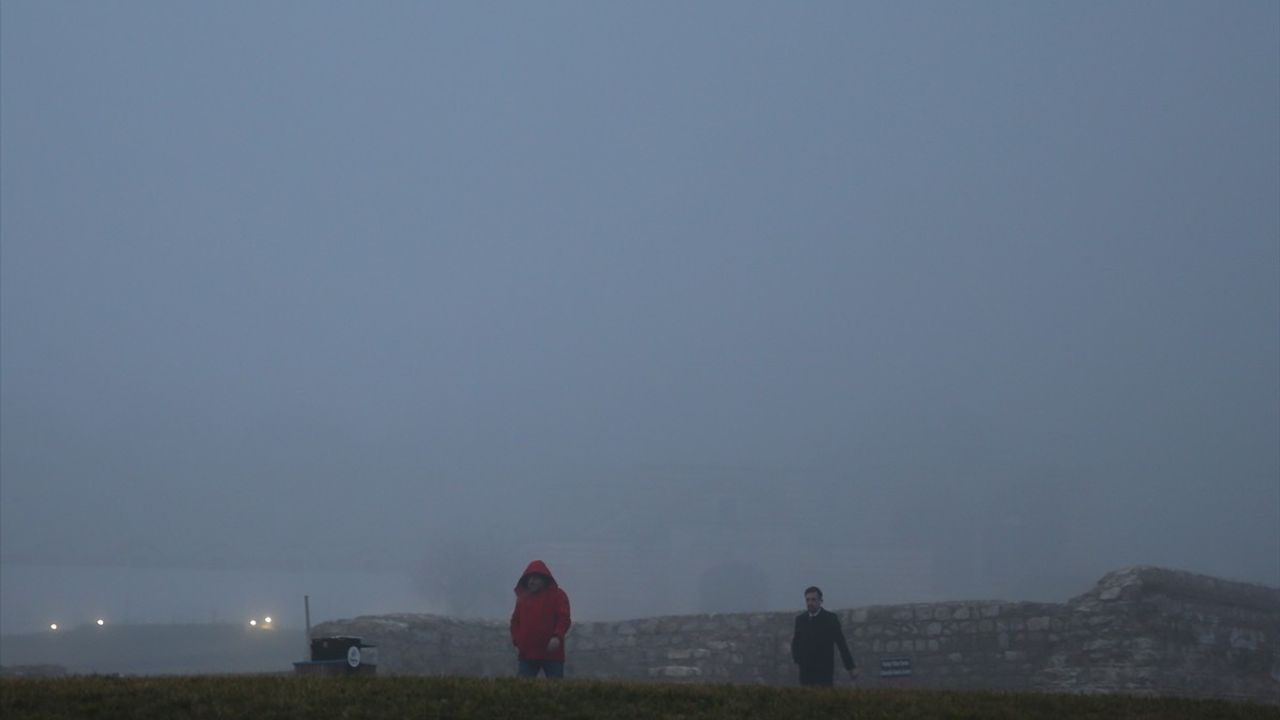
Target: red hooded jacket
<point>539,616</point>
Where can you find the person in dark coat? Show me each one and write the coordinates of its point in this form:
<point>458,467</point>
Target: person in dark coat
<point>816,638</point>
<point>540,622</point>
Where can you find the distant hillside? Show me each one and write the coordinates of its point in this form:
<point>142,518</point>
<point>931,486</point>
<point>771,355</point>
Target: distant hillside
<point>157,649</point>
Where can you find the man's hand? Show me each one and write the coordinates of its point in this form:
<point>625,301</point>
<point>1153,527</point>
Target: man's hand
<point>554,645</point>
<point>853,673</point>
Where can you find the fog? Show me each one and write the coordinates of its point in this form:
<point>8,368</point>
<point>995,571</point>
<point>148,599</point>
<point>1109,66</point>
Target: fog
<point>700,303</point>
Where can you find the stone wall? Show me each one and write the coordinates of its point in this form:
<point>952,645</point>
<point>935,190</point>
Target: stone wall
<point>1141,630</point>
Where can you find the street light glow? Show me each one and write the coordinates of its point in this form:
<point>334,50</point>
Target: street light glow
<point>53,626</point>
<point>101,622</point>
<point>266,620</point>
<point>253,623</point>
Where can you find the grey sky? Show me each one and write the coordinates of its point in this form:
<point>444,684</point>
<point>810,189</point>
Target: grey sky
<point>466,274</point>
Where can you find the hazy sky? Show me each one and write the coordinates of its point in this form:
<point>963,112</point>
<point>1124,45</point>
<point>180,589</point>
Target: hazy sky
<point>288,285</point>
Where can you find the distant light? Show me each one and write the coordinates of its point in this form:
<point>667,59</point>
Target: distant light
<point>253,623</point>
<point>53,626</point>
<point>101,622</point>
<point>266,620</point>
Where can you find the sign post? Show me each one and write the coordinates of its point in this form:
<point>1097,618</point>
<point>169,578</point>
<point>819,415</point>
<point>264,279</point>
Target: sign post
<point>895,667</point>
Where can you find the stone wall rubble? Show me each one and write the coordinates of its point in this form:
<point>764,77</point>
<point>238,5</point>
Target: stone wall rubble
<point>1140,630</point>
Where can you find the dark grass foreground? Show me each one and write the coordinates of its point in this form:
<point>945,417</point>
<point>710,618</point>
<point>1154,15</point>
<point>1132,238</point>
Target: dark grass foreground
<point>265,697</point>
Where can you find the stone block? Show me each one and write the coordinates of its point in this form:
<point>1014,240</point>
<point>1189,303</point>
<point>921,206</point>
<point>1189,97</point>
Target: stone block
<point>1243,639</point>
<point>675,671</point>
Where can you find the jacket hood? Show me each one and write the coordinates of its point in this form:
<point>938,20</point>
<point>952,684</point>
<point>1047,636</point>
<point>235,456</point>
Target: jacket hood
<point>537,567</point>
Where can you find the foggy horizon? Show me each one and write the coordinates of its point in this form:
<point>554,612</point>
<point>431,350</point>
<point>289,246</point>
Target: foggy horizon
<point>699,303</point>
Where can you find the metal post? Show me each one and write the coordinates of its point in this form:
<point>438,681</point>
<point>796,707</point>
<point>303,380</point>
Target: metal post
<point>306,606</point>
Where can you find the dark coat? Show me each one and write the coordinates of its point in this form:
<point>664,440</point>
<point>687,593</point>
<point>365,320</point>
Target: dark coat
<point>539,616</point>
<point>813,647</point>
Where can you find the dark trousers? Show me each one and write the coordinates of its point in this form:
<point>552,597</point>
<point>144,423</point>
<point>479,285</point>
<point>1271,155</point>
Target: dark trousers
<point>553,669</point>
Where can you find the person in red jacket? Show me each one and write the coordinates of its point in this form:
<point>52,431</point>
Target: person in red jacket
<point>539,622</point>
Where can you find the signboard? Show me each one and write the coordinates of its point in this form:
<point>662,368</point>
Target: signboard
<point>895,667</point>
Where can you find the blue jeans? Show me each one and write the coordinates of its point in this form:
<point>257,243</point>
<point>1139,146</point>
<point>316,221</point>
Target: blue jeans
<point>551,668</point>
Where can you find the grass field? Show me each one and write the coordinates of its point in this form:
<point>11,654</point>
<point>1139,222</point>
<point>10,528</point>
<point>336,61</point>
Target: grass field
<point>265,697</point>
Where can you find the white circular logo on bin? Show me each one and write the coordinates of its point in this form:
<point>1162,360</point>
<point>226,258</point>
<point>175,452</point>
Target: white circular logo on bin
<point>353,656</point>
